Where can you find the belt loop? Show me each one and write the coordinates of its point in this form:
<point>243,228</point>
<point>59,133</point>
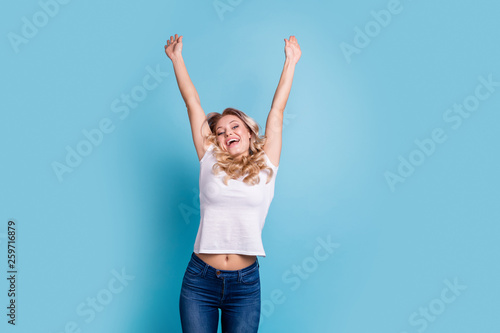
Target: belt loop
<point>204,270</point>
<point>258,265</point>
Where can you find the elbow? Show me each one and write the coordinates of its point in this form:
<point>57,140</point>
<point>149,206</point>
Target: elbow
<point>278,109</point>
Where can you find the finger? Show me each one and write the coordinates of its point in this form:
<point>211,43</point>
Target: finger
<point>180,39</point>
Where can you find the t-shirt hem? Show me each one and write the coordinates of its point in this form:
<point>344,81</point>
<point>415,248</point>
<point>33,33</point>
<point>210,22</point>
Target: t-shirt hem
<point>260,254</point>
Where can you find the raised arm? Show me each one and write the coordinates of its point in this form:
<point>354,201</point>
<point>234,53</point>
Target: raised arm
<point>274,124</point>
<point>196,115</point>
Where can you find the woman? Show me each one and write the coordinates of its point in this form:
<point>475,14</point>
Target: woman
<point>237,172</point>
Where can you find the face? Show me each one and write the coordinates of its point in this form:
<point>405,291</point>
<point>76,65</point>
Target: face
<point>233,135</point>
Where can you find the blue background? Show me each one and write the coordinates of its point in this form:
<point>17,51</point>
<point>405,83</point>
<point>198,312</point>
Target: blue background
<point>131,204</point>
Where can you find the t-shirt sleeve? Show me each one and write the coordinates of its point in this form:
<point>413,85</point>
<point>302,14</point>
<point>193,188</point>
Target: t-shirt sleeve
<point>270,164</point>
<point>208,151</point>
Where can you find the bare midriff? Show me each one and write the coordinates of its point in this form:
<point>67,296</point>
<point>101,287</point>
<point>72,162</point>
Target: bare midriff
<point>229,262</point>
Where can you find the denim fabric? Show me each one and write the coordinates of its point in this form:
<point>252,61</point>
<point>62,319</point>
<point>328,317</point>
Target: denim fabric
<point>206,289</point>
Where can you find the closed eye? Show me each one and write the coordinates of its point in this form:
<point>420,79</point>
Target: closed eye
<point>235,126</point>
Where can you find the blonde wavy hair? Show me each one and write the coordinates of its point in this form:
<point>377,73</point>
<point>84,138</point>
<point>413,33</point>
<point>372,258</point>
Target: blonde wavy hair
<point>248,166</point>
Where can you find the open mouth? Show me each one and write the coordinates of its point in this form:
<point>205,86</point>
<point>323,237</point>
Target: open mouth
<point>232,142</point>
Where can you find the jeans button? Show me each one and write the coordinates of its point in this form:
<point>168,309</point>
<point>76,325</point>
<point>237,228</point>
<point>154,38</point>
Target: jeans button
<point>218,272</point>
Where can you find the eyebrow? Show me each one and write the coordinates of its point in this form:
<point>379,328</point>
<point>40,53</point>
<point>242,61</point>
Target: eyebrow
<point>229,122</point>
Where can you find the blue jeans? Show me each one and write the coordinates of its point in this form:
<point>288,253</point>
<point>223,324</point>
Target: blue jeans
<point>206,289</point>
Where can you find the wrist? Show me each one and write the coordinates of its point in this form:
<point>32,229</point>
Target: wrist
<point>289,62</point>
<point>177,58</point>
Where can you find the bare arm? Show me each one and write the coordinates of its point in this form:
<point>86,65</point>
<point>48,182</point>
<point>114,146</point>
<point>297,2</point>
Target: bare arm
<point>274,124</point>
<point>196,115</point>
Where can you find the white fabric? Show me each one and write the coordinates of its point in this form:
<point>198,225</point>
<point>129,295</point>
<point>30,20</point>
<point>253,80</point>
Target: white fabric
<point>233,215</point>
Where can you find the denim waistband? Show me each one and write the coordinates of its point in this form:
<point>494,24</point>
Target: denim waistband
<point>209,270</point>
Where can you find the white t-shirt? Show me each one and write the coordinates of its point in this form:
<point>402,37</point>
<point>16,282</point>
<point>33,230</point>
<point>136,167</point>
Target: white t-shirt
<point>233,215</point>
